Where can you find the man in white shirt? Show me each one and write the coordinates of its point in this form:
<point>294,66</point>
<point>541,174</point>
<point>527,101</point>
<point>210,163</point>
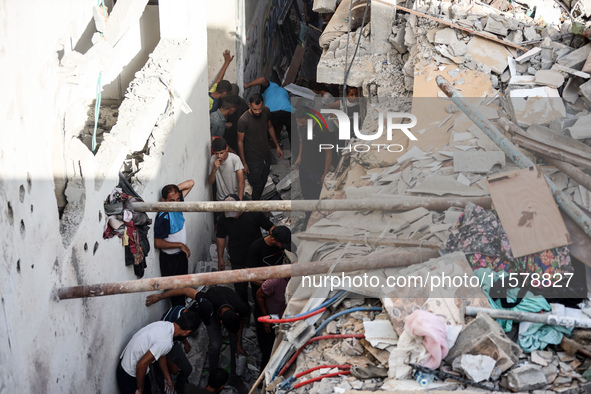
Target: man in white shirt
<point>150,344</point>
<point>225,170</point>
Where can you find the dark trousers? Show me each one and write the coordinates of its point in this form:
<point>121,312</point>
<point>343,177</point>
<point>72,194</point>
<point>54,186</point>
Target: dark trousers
<point>310,184</point>
<point>257,177</point>
<point>171,265</point>
<point>177,356</point>
<point>128,384</point>
<point>264,339</point>
<point>214,332</point>
<point>280,119</point>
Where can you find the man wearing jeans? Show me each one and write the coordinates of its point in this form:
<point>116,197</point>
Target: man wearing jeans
<point>253,146</point>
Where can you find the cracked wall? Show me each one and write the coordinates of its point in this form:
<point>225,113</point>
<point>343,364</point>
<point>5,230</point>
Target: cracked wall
<point>72,346</point>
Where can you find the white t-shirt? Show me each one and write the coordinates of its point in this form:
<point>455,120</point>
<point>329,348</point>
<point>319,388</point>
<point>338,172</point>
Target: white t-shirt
<point>225,177</point>
<point>155,337</point>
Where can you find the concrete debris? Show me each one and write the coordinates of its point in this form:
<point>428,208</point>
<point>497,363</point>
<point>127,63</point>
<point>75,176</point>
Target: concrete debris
<point>542,358</point>
<point>526,378</point>
<point>484,336</point>
<point>476,368</point>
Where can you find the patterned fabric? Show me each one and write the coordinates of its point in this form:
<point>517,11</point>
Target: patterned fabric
<point>481,237</point>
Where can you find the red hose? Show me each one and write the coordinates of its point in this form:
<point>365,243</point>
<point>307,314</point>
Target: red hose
<point>267,319</point>
<point>335,336</point>
<point>345,366</point>
<point>330,375</point>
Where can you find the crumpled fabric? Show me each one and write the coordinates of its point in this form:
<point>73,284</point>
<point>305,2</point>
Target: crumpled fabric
<point>536,336</point>
<point>532,336</point>
<point>422,342</point>
<point>481,237</point>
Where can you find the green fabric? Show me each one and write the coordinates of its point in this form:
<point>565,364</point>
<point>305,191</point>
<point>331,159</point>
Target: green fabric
<point>538,335</point>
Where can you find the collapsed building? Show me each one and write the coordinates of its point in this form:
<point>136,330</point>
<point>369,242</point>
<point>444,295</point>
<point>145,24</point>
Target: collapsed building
<point>524,71</point>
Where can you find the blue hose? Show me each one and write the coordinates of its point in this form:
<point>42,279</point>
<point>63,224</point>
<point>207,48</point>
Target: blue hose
<point>324,304</point>
<point>331,318</point>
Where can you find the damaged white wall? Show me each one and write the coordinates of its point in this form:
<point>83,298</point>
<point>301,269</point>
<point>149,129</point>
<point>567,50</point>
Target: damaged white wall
<point>73,345</point>
<point>222,24</point>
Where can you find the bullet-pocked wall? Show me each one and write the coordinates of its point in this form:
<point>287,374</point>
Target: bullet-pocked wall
<point>73,345</point>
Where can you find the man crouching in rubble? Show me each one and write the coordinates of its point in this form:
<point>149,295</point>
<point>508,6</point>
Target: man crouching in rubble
<point>150,344</point>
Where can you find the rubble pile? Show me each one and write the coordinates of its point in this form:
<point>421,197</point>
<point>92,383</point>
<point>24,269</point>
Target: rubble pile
<point>525,70</point>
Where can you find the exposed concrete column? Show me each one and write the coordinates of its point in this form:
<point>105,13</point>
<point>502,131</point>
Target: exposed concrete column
<point>382,19</point>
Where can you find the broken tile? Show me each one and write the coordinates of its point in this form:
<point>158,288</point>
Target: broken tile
<point>462,179</point>
<point>380,333</point>
<point>479,162</point>
<point>535,106</point>
<point>577,58</point>
<point>442,185</point>
<point>445,36</point>
<point>526,378</point>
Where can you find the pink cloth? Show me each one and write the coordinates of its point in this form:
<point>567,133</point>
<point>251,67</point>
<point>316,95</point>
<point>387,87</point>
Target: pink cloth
<point>432,328</point>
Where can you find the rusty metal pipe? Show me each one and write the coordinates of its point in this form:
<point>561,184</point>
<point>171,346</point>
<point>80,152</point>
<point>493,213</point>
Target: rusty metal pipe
<point>359,240</point>
<point>513,152</point>
<point>391,204</point>
<point>397,259</point>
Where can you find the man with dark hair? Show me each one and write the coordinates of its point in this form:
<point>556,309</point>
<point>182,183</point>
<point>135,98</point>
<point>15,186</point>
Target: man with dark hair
<point>216,381</point>
<point>265,252</point>
<point>150,344</point>
<point>218,119</point>
<point>178,363</point>
<point>241,229</point>
<point>231,134</point>
<point>228,309</point>
<point>170,235</point>
<point>277,100</point>
<point>253,145</point>
<point>221,88</point>
<point>226,171</point>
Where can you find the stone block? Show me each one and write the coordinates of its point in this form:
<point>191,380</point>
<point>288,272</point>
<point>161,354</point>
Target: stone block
<point>484,336</point>
<point>530,33</point>
<point>458,48</point>
<point>476,368</point>
<point>398,41</point>
<point>515,37</point>
<point>585,91</point>
<point>526,378</point>
<point>581,129</point>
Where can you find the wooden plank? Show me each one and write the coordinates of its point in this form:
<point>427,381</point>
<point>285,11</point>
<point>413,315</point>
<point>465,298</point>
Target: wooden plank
<point>294,67</point>
<point>527,211</point>
<point>474,32</point>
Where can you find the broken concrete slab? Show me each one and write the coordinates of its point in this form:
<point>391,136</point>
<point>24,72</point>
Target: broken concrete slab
<point>478,162</point>
<point>324,6</point>
<point>582,128</point>
<point>489,53</point>
<point>539,105</point>
<point>570,93</point>
<point>441,185</point>
<point>571,71</point>
<point>494,24</point>
<point>528,55</point>
<point>526,378</point>
<point>476,368</point>
<point>576,59</point>
<point>550,78</point>
<point>445,36</point>
<point>542,358</point>
<point>585,91</point>
<point>483,335</point>
<point>380,333</point>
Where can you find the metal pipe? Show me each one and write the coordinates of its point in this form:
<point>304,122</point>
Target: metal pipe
<point>513,152</point>
<point>390,204</point>
<point>558,154</point>
<point>544,318</point>
<point>360,240</point>
<point>396,259</point>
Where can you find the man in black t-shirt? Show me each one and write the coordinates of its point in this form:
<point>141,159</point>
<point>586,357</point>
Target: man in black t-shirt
<point>264,252</point>
<point>253,145</point>
<point>242,229</point>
